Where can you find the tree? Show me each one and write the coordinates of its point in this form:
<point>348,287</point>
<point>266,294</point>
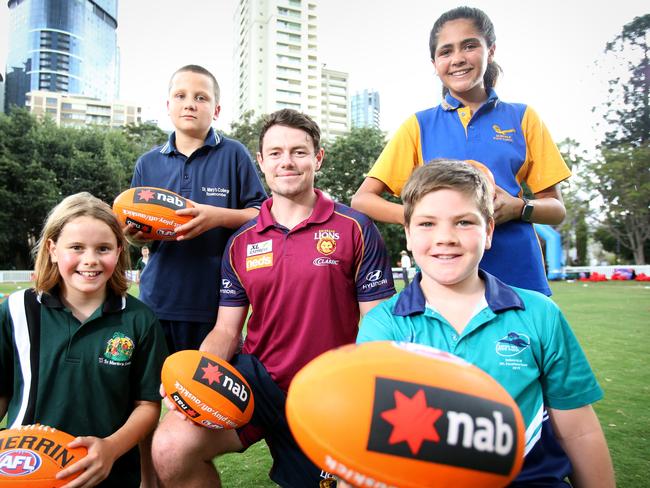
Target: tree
<point>621,176</point>
<point>247,131</point>
<point>576,196</point>
<point>41,163</point>
<point>27,188</point>
<point>347,161</point>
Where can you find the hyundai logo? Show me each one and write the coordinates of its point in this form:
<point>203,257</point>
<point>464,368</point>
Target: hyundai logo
<point>374,275</point>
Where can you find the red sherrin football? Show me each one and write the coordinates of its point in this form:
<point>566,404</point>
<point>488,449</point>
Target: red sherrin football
<point>152,211</point>
<point>32,455</point>
<point>404,415</point>
<point>207,389</point>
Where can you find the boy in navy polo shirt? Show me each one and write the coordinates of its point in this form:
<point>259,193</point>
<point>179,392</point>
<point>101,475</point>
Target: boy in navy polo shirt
<point>308,267</point>
<point>180,281</point>
<point>518,336</point>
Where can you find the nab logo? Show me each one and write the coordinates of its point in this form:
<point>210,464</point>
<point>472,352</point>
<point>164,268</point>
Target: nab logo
<point>441,426</point>
<point>374,275</point>
<point>163,198</point>
<point>223,382</point>
<point>19,462</point>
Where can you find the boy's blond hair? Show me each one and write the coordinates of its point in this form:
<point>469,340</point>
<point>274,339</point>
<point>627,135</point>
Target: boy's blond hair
<point>195,68</point>
<point>82,204</point>
<point>448,174</point>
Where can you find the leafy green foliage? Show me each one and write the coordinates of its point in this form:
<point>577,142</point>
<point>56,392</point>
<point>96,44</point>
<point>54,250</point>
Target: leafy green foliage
<point>576,196</point>
<point>621,177</point>
<point>41,163</point>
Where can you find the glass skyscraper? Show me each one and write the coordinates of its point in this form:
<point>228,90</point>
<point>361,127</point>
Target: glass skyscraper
<point>62,46</point>
<point>364,109</point>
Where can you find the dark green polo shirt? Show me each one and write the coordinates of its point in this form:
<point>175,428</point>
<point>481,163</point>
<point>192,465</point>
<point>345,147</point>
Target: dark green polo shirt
<point>82,378</point>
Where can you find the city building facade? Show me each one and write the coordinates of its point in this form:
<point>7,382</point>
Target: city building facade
<point>365,109</point>
<point>276,58</point>
<point>79,111</point>
<point>334,103</point>
<point>67,46</point>
<point>277,64</point>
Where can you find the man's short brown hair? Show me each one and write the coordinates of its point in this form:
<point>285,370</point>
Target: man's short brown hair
<point>294,119</point>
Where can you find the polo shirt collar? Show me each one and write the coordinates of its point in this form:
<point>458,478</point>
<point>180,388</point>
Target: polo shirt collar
<point>450,103</point>
<point>499,296</point>
<point>323,210</point>
<point>211,140</point>
<point>113,302</point>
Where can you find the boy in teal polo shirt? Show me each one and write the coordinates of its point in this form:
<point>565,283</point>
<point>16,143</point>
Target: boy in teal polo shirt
<point>519,337</point>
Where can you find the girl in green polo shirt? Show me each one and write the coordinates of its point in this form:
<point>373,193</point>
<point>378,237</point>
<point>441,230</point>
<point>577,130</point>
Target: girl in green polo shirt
<point>79,354</point>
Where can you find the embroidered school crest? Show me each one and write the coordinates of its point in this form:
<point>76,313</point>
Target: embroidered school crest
<point>119,348</point>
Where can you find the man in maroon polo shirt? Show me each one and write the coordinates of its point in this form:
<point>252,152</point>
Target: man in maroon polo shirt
<point>308,267</point>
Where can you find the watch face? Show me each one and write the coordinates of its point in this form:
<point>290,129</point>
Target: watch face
<point>527,212</point>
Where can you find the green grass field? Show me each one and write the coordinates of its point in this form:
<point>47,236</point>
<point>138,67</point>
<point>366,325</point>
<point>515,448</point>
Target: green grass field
<point>612,322</point>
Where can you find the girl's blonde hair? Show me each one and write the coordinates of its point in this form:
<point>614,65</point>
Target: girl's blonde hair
<point>82,204</point>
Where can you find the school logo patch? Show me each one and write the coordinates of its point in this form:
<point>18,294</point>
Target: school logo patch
<point>119,348</point>
<point>512,344</point>
<point>451,428</point>
<point>503,134</point>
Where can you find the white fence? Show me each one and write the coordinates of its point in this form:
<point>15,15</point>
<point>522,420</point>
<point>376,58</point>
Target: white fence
<point>608,271</point>
<point>19,276</point>
<point>15,276</point>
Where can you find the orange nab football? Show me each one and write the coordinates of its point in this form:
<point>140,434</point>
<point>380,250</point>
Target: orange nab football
<point>152,211</point>
<point>209,390</point>
<point>32,455</point>
<point>403,415</point>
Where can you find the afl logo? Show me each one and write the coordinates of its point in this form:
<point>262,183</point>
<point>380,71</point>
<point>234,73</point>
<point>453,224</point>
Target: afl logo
<point>19,462</point>
<point>166,232</point>
<point>374,275</point>
<point>326,245</point>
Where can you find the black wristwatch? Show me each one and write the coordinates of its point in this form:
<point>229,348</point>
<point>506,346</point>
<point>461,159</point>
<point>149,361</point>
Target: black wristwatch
<point>527,211</point>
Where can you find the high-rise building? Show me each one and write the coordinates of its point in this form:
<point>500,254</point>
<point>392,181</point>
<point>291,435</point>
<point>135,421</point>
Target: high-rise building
<point>79,111</point>
<point>364,109</point>
<point>275,58</point>
<point>334,103</point>
<point>62,46</point>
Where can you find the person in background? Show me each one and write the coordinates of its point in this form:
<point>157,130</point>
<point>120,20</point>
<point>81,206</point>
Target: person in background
<point>141,263</point>
<point>405,263</point>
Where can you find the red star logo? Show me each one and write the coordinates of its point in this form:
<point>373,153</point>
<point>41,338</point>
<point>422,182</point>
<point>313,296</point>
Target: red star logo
<point>412,420</point>
<point>190,412</point>
<point>145,195</point>
<point>212,373</point>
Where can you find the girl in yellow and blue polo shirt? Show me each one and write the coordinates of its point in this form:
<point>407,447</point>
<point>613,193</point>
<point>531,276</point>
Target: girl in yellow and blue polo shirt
<point>472,123</point>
